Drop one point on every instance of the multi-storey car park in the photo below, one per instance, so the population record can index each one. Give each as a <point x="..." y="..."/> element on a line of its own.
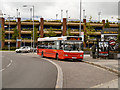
<point x="25" y="29"/>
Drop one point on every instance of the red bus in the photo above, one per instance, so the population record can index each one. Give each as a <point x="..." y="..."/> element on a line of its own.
<point x="65" y="47"/>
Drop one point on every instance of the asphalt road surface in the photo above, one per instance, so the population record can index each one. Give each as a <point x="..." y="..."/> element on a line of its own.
<point x="31" y="71"/>
<point x="27" y="72"/>
<point x="82" y="75"/>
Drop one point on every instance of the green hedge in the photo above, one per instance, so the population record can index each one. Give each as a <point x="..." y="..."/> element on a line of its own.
<point x="30" y="21"/>
<point x="11" y="48"/>
<point x="86" y="49"/>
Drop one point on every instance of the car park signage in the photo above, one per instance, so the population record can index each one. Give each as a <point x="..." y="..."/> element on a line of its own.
<point x="19" y="40"/>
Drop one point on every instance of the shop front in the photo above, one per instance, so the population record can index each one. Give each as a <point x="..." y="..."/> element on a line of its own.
<point x="108" y="42"/>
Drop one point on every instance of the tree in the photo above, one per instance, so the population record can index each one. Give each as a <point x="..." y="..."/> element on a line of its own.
<point x="15" y="35"/>
<point x="35" y="33"/>
<point x="107" y="24"/>
<point x="50" y="33"/>
<point x="3" y="35"/>
<point x="68" y="32"/>
<point x="90" y="19"/>
<point x="89" y="29"/>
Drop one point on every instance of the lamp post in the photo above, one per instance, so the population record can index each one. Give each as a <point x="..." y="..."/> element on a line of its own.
<point x="33" y="22"/>
<point x="80" y="19"/>
<point x="80" y="23"/>
<point x="56" y="16"/>
<point x="84" y="14"/>
<point x="67" y="20"/>
<point x="30" y="13"/>
<point x="99" y="13"/>
<point x="62" y="20"/>
<point x="17" y="12"/>
<point x="61" y="15"/>
<point x="9" y="32"/>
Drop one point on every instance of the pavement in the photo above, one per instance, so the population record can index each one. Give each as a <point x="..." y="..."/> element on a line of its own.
<point x="111" y="64"/>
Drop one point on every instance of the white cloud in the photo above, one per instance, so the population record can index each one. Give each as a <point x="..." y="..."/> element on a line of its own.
<point x="49" y="8"/>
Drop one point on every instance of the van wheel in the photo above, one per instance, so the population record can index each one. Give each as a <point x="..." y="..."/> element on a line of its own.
<point x="57" y="58"/>
<point x="42" y="55"/>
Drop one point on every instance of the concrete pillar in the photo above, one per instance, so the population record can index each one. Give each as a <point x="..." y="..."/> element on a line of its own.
<point x="84" y="26"/>
<point x="19" y="31"/>
<point x="103" y="21"/>
<point x="41" y="27"/>
<point x="3" y="30"/>
<point x="64" y="27"/>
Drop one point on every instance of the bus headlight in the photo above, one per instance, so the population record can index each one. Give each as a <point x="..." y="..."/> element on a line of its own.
<point x="65" y="55"/>
<point x="81" y="55"/>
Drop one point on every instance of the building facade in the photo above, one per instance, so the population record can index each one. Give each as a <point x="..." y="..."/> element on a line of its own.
<point x="44" y="27"/>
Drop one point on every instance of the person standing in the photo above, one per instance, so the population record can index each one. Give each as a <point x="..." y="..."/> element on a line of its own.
<point x="93" y="51"/>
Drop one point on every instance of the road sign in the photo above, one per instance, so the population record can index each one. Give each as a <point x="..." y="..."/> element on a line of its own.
<point x="18" y="39"/>
<point x="10" y="17"/>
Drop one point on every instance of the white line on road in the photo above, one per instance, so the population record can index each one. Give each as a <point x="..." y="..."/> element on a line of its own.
<point x="9" y="64"/>
<point x="110" y="84"/>
<point x="59" y="83"/>
<point x="6" y="66"/>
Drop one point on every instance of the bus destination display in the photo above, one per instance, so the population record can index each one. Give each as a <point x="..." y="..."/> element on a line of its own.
<point x="74" y="38"/>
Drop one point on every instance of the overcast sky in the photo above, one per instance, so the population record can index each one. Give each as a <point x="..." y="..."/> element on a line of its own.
<point x="49" y="8"/>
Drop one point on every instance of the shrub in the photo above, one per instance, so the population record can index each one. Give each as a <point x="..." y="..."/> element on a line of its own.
<point x="11" y="48"/>
<point x="86" y="49"/>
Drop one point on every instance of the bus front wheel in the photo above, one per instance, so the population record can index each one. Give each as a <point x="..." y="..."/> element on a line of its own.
<point x="42" y="55"/>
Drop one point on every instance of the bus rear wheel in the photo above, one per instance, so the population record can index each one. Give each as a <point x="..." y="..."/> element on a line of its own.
<point x="57" y="58"/>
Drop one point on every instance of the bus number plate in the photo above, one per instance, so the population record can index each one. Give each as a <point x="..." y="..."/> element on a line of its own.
<point x="73" y="57"/>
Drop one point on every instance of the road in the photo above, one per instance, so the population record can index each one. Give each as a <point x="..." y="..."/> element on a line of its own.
<point x="27" y="72"/>
<point x="83" y="75"/>
<point x="31" y="71"/>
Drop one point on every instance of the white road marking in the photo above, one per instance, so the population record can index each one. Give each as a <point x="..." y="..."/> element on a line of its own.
<point x="110" y="84"/>
<point x="6" y="66"/>
<point x="59" y="83"/>
<point x="9" y="63"/>
<point x="2" y="70"/>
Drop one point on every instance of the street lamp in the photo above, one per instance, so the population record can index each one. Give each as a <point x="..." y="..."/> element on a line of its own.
<point x="84" y="14"/>
<point x="9" y="29"/>
<point x="17" y="12"/>
<point x="9" y="32"/>
<point x="99" y="13"/>
<point x="80" y="18"/>
<point x="62" y="20"/>
<point x="67" y="20"/>
<point x="61" y="15"/>
<point x="30" y="13"/>
<point x="56" y="16"/>
<point x="33" y="22"/>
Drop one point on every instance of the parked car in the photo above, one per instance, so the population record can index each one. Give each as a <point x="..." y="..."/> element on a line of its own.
<point x="23" y="49"/>
<point x="31" y="49"/>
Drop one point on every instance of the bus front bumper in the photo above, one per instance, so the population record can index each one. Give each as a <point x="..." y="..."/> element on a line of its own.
<point x="73" y="56"/>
